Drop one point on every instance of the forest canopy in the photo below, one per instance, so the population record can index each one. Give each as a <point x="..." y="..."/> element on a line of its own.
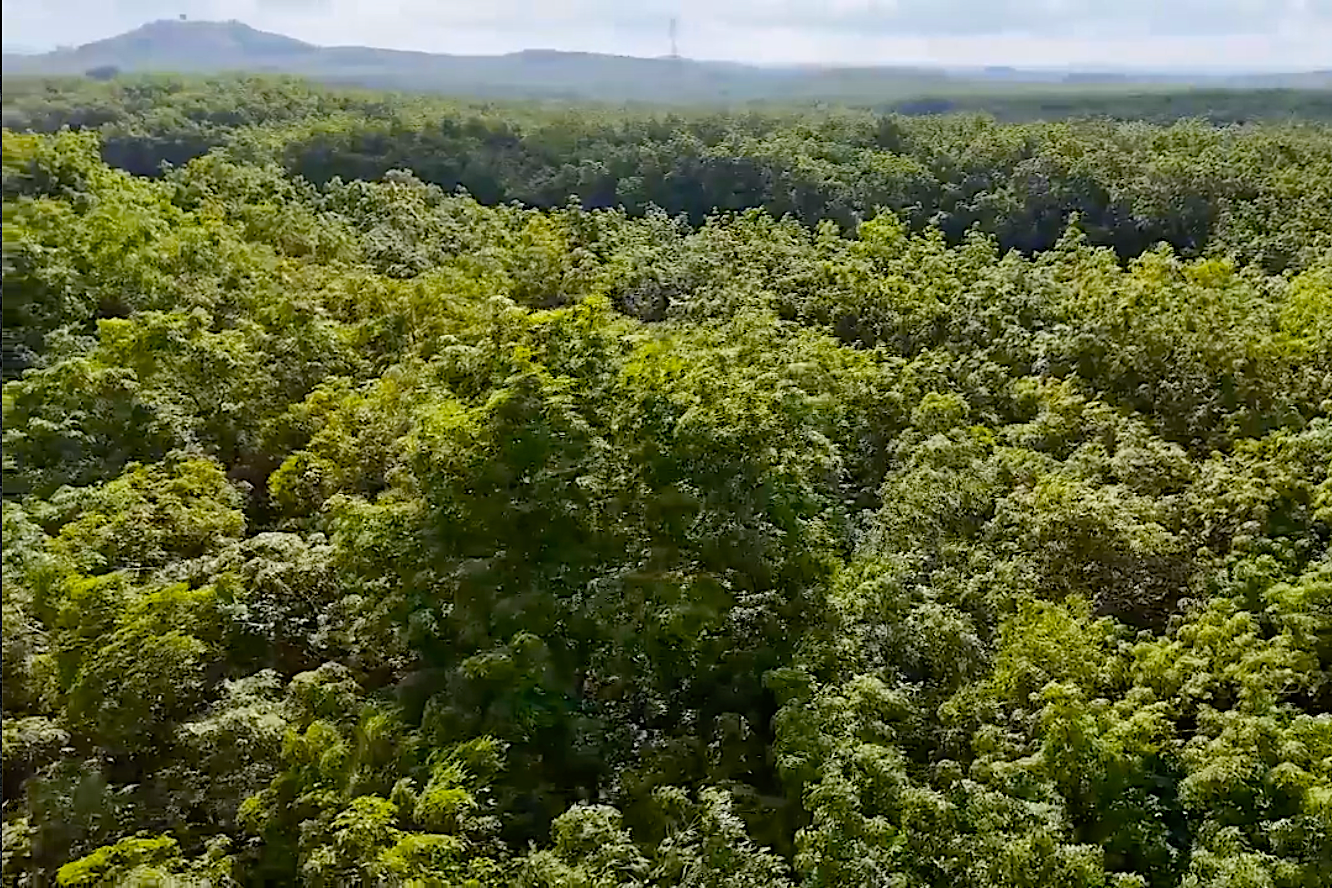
<point x="410" y="492"/>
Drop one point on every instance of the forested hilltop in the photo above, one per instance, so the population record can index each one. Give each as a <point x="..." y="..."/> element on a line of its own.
<point x="410" y="492"/>
<point x="214" y="47"/>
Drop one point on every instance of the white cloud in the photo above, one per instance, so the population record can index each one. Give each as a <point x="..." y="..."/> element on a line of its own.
<point x="1259" y="34"/>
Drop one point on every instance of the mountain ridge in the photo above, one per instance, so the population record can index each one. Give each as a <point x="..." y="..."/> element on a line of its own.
<point x="179" y="46"/>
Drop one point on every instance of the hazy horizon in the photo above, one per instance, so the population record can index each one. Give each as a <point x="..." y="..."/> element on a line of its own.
<point x="1199" y="35"/>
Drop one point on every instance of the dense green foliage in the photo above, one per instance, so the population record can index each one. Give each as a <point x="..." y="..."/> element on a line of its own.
<point x="359" y="532"/>
<point x="1254" y="193"/>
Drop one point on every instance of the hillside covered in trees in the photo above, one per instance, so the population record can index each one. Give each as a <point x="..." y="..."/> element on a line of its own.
<point x="410" y="492"/>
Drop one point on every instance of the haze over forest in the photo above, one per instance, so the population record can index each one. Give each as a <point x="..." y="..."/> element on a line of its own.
<point x="201" y="46"/>
<point x="1236" y="35"/>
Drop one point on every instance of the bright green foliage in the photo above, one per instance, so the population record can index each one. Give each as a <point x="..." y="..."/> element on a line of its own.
<point x="590" y="849"/>
<point x="705" y="844"/>
<point x="135" y="862"/>
<point x="357" y="532"/>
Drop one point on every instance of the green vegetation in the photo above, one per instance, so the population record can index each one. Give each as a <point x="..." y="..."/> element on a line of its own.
<point x="822" y="499"/>
<point x="1161" y="104"/>
<point x="1255" y="193"/>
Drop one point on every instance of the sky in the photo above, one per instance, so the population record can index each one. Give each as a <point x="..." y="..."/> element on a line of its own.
<point x="1159" y="34"/>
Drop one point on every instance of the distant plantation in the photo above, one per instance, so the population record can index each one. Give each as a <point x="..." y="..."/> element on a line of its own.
<point x="407" y="491"/>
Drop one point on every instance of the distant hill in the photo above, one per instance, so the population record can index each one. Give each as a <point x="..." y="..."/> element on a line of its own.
<point x="214" y="47"/>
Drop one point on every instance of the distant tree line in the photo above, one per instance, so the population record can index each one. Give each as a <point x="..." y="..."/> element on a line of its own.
<point x="1252" y="192"/>
<point x="1162" y="105"/>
